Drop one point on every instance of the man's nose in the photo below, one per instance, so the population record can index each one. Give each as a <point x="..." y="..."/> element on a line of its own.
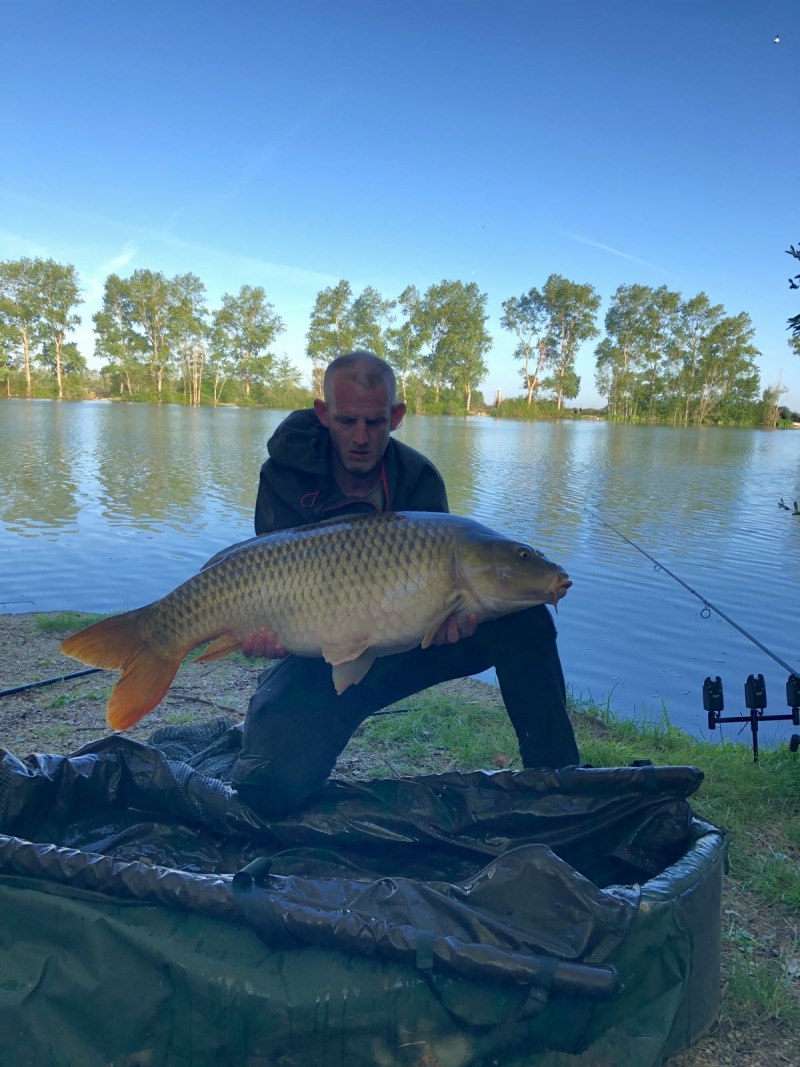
<point x="361" y="433"/>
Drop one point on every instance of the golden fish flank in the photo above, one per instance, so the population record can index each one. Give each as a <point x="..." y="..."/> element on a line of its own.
<point x="349" y="590"/>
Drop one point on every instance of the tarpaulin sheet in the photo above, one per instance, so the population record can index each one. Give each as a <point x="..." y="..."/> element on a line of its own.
<point x="509" y="916"/>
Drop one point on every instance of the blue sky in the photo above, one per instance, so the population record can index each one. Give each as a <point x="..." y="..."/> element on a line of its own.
<point x="293" y="144"/>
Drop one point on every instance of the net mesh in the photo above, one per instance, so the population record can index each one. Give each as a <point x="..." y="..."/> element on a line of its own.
<point x="210" y="748"/>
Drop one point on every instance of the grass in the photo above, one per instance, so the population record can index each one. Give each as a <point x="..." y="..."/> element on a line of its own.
<point x="437" y="733"/>
<point x="759" y="804"/>
<point x="759" y="988"/>
<point x="64" y="622"/>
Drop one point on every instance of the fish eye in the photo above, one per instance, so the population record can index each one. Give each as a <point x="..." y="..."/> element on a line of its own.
<point x="523" y="553"/>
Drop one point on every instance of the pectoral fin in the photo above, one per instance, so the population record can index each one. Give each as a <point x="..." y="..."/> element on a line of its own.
<point x="223" y="646"/>
<point x="351" y="673"/>
<point x="451" y="605"/>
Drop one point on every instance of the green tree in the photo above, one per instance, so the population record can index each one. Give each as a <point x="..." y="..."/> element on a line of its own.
<point x="285" y="375"/>
<point x="331" y="331"/>
<point x="72" y="362"/>
<point x="115" y="338"/>
<point x="371" y="318"/>
<point x="621" y="352"/>
<point x="187" y="331"/>
<point x="21" y="310"/>
<point x="697" y="318"/>
<point x="572" y="311"/>
<point x="452" y="327"/>
<point x="404" y="342"/>
<point x="727" y="375"/>
<point x="341" y="322"/>
<point x="8" y="359"/>
<point x="59" y="294"/>
<point x="134" y="323"/>
<point x="526" y="316"/>
<point x="661" y="347"/>
<point x="243" y="331"/>
<point x="770" y="404"/>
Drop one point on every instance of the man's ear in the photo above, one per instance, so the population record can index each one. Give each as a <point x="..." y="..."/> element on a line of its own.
<point x="395" y="416"/>
<point x="321" y="408"/>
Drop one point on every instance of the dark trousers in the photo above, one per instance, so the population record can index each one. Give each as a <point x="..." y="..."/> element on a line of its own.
<point x="296" y="725"/>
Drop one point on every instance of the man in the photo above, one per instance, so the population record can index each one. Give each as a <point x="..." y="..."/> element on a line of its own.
<point x="337" y="459"/>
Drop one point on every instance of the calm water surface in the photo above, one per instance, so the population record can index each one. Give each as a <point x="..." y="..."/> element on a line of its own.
<point x="107" y="506"/>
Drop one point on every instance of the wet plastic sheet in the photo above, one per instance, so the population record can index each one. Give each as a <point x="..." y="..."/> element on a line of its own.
<point x="468" y="918"/>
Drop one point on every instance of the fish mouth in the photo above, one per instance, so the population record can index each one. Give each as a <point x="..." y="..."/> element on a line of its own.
<point x="560" y="588"/>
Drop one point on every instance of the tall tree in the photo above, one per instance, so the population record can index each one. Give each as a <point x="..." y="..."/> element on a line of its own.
<point x="59" y="292"/>
<point x="697" y="317"/>
<point x="134" y="322"/>
<point x="187" y="331"/>
<point x="452" y="327"/>
<point x="404" y="342"/>
<point x="620" y="353"/>
<point x="115" y="338"/>
<point x="661" y="347"/>
<point x="371" y="318"/>
<point x="8" y="360"/>
<point x="21" y="310"/>
<point x="331" y="332"/>
<point x="72" y="362"/>
<point x="572" y="310"/>
<point x="727" y="375"/>
<point x="243" y="330"/>
<point x="526" y="317"/>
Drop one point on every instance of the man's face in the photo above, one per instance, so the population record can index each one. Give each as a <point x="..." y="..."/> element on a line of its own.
<point x="360" y="421"/>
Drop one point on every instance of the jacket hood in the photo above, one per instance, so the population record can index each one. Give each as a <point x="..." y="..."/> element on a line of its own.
<point x="301" y="443"/>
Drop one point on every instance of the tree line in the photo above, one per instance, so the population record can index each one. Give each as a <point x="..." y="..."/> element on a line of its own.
<point x="662" y="358"/>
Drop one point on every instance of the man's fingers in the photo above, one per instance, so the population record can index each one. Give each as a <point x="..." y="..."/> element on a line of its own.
<point x="262" y="644"/>
<point x="449" y="632"/>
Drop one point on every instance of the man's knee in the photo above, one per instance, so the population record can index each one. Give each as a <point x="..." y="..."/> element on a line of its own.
<point x="271" y="787"/>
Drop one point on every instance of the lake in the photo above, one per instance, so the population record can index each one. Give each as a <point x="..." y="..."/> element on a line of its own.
<point x="108" y="506"/>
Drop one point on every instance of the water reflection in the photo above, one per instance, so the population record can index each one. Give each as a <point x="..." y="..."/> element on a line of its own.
<point x="108" y="506"/>
<point x="40" y="471"/>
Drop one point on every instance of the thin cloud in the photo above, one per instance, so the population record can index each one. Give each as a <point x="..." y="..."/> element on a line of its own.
<point x="124" y="258"/>
<point x="95" y="282"/>
<point x="283" y="271"/>
<point x="617" y="252"/>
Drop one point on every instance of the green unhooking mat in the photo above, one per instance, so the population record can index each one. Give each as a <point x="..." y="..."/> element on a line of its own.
<point x="148" y="919"/>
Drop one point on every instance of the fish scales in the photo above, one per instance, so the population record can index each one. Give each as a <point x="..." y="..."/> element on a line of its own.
<point x="347" y="589"/>
<point x="318" y="581"/>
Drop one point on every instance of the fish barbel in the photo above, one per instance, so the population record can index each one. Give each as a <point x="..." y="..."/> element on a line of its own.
<point x="348" y="589"/>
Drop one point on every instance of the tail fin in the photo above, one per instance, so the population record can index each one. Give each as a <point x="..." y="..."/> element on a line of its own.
<point x="117" y="643"/>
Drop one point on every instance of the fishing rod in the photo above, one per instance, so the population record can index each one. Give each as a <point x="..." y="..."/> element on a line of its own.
<point x="48" y="681"/>
<point x="708" y="607"/>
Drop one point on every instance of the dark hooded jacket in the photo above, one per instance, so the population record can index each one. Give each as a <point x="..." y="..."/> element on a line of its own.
<point x="297" y="485"/>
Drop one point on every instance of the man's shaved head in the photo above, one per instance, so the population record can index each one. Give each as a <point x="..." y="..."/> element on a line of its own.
<point x="362" y="367"/>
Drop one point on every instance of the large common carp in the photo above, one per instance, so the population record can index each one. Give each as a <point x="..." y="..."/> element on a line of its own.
<point x="348" y="589"/>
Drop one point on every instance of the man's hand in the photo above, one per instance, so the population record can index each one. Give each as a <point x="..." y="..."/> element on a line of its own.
<point x="449" y="632"/>
<point x="263" y="643"/>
